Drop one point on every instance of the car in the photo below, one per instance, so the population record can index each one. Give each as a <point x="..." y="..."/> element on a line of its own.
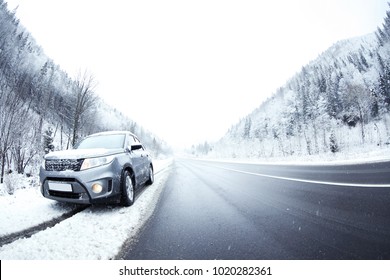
<point x="105" y="167"/>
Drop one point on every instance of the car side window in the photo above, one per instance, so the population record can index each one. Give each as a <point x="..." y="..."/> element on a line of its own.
<point x="130" y="141"/>
<point x="138" y="143"/>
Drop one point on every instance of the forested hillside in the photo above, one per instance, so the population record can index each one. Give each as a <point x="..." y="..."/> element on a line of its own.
<point x="339" y="102"/>
<point x="42" y="108"/>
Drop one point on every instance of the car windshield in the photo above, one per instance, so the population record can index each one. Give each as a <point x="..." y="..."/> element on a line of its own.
<point x="112" y="141"/>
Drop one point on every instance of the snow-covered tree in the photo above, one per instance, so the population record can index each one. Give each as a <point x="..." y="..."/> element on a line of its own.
<point x="48" y="140"/>
<point x="333" y="145"/>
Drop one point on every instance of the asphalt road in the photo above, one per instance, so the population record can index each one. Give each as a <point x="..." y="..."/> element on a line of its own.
<point x="213" y="210"/>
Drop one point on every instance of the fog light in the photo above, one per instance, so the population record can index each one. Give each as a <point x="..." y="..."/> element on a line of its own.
<point x="97" y="188"/>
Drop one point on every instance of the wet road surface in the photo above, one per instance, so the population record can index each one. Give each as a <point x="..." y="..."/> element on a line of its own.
<point x="214" y="210"/>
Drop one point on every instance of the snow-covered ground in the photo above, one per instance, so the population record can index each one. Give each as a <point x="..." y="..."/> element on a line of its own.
<point x="353" y="156"/>
<point x="95" y="233"/>
<point x="28" y="208"/>
<point x="100" y="231"/>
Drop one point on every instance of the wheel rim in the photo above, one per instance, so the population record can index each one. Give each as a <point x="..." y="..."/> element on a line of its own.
<point x="129" y="188"/>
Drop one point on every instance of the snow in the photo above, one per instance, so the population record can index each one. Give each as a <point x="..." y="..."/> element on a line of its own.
<point x="327" y="106"/>
<point x="95" y="233"/>
<point x="357" y="155"/>
<point x="81" y="153"/>
<point x="27" y="208"/>
<point x="99" y="232"/>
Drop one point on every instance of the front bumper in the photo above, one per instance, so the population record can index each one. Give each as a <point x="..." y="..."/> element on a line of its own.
<point x="81" y="182"/>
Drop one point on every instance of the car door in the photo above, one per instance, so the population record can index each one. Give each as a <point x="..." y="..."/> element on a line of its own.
<point x="144" y="161"/>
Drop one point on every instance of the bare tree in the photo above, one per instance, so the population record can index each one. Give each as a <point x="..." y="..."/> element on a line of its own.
<point x="26" y="144"/>
<point x="12" y="120"/>
<point x="359" y="101"/>
<point x="85" y="100"/>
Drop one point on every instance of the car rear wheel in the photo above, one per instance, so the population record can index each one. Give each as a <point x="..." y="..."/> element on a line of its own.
<point x="127" y="189"/>
<point x="151" y="176"/>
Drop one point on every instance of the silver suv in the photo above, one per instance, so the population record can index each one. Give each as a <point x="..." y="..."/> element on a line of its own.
<point x="104" y="168"/>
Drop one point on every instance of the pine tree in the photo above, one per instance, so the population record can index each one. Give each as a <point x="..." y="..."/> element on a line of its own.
<point x="363" y="60"/>
<point x="383" y="34"/>
<point x="247" y="128"/>
<point x="384" y="86"/>
<point x="48" y="140"/>
<point x="334" y="147"/>
<point x="386" y="26"/>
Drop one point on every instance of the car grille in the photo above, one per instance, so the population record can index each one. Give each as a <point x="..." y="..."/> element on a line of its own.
<point x="65" y="194"/>
<point x="63" y="164"/>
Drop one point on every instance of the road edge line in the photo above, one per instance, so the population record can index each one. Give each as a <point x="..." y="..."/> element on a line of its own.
<point x="311" y="181"/>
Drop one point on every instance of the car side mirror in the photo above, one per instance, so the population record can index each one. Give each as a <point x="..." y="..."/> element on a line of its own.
<point x="135" y="147"/>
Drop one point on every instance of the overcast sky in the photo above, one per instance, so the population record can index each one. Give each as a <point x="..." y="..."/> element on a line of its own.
<point x="189" y="70"/>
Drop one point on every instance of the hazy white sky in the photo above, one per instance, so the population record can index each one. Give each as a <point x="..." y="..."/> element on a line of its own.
<point x="189" y="70"/>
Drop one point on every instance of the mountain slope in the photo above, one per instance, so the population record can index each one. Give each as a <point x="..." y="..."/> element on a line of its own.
<point x="338" y="102"/>
<point x="42" y="108"/>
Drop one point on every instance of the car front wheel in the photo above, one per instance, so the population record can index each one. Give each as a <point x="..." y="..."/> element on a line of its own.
<point x="127" y="189"/>
<point x="151" y="176"/>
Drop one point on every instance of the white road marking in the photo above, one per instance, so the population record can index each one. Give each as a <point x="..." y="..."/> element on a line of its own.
<point x="310" y="181"/>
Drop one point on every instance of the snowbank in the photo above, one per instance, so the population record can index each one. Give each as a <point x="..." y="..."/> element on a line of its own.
<point x="358" y="155"/>
<point x="28" y="208"/>
<point x="95" y="233"/>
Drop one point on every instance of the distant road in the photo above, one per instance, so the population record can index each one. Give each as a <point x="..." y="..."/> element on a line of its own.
<point x="215" y="210"/>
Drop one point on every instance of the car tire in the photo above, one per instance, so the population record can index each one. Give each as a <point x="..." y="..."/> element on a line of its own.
<point x="128" y="190"/>
<point x="151" y="176"/>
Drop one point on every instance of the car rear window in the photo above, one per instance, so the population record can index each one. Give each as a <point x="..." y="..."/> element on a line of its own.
<point x="112" y="141"/>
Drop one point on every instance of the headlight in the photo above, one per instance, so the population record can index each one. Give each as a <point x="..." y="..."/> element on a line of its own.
<point x="95" y="162"/>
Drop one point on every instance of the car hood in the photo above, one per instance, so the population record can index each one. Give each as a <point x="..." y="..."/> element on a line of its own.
<point x="82" y="153"/>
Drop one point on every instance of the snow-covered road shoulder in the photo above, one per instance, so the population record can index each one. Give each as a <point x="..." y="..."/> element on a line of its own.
<point x="361" y="156"/>
<point x="95" y="233"/>
<point x="28" y="208"/>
